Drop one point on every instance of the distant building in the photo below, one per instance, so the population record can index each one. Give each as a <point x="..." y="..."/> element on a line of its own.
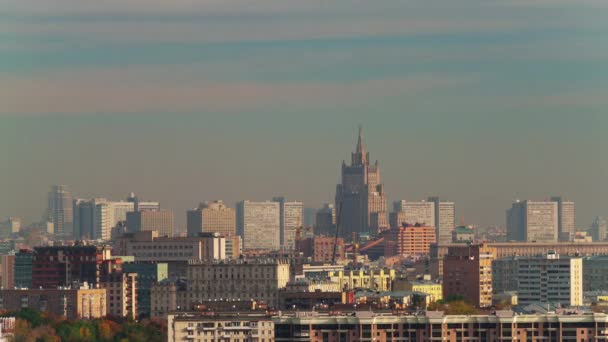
<point x="374" y="279"/>
<point x="147" y="274"/>
<point x="291" y="219"/>
<point x="504" y="271"/>
<point x="166" y="296"/>
<point x="566" y="218"/>
<point x="259" y="224"/>
<point x="595" y="273"/>
<point x="463" y="234"/>
<point x="23" y="268"/>
<point x="226" y="327"/>
<point x="550" y="279"/>
<point x="445" y="219"/>
<point x="211" y="217"/>
<point x="7" y="271"/>
<point x="409" y="240"/>
<point x="60" y="200"/>
<point x="533" y="221"/>
<point x="95" y="218"/>
<point x="121" y="295"/>
<point x="360" y="194"/>
<point x="325" y="222"/>
<point x="72" y="304"/>
<point x="467" y="271"/>
<point x="598" y="229"/>
<point x="149" y="220"/>
<point x="321" y="248"/>
<point x="421" y="212"/>
<point x="434" y="290"/>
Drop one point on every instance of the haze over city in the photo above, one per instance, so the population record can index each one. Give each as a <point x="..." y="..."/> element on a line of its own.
<point x="185" y="101"/>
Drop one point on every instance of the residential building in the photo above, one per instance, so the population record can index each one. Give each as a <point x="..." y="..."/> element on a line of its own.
<point x="409" y="212"/>
<point x="121" y="295"/>
<point x="445" y="219"/>
<point x="504" y="271"/>
<point x="434" y="290"/>
<point x="566" y="221"/>
<point x="259" y="224"/>
<point x="409" y="240"/>
<point x="598" y="229"/>
<point x="242" y="327"/>
<point x="291" y="219"/>
<point x="550" y="279"/>
<point x="167" y="296"/>
<point x="595" y="273"/>
<point x="467" y="271"/>
<point x="434" y="326"/>
<point x="148" y="220"/>
<point x="148" y="273"/>
<point x="360" y="194"/>
<point x="374" y="279"/>
<point x="211" y="217"/>
<point x="23" y="268"/>
<point x="259" y="279"/>
<point x="234" y="246"/>
<point x="7" y="271"/>
<point x="321" y="248"/>
<point x="60" y="200"/>
<point x="83" y="303"/>
<point x="325" y="222"/>
<point x="533" y="221"/>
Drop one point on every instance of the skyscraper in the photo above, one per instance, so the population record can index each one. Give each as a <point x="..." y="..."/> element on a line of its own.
<point x="598" y="229"/>
<point x="292" y="218"/>
<point x="95" y="218"/>
<point x="533" y="221"/>
<point x="566" y="218"/>
<point x="445" y="219"/>
<point x="360" y="194"/>
<point x="325" y="222"/>
<point x="259" y="224"/>
<point x="61" y="207"/>
<point x="211" y="217"/>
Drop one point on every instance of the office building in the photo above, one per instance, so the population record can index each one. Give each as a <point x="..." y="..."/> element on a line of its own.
<point x="151" y="220"/>
<point x="445" y="219"/>
<point x="121" y="295"/>
<point x="502" y="326"/>
<point x="211" y="217"/>
<point x="325" y="221"/>
<point x="550" y="279"/>
<point x="467" y="271"/>
<point x="504" y="271"/>
<point x="409" y="240"/>
<point x="243" y="327"/>
<point x="421" y="212"/>
<point x="7" y="271"/>
<point x="82" y="303"/>
<point x="533" y="221"/>
<point x="321" y="248"/>
<point x="598" y="229"/>
<point x="566" y="218"/>
<point x="595" y="273"/>
<point x="23" y="268"/>
<point x="360" y="194"/>
<point x="258" y="279"/>
<point x="292" y="219"/>
<point x="259" y="224"/>
<point x="60" y="199"/>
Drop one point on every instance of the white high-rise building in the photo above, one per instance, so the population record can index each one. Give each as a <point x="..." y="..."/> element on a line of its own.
<point x="422" y="212"/>
<point x="60" y="202"/>
<point x="566" y="217"/>
<point x="259" y="224"/>
<point x="445" y="219"/>
<point x="533" y="221"/>
<point x="95" y="218"/>
<point x="292" y="217"/>
<point x="550" y="279"/>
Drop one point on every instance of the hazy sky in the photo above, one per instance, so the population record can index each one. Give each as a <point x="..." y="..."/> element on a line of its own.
<point x="481" y="102"/>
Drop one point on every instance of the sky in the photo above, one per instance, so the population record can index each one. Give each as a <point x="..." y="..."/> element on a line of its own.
<point x="479" y="102"/>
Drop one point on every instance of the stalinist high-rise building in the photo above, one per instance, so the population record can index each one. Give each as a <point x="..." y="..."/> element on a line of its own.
<point x="360" y="198"/>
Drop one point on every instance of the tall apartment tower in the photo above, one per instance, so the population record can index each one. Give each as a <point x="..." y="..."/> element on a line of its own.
<point x="259" y="224"/>
<point x="292" y="218"/>
<point x="467" y="271"/>
<point x="566" y="218"/>
<point x="445" y="219"/>
<point x="325" y="222"/>
<point x="61" y="207"/>
<point x="360" y="196"/>
<point x="211" y="217"/>
<point x="533" y="221"/>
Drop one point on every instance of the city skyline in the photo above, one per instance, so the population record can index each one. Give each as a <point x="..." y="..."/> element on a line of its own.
<point x="185" y="101"/>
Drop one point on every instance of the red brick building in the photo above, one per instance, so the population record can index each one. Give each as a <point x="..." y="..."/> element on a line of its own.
<point x="409" y="240"/>
<point x="321" y="248"/>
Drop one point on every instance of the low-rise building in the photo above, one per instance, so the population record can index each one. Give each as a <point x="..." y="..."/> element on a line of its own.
<point x="434" y="290"/>
<point x="253" y="327"/>
<point x="69" y="303"/>
<point x="378" y="280"/>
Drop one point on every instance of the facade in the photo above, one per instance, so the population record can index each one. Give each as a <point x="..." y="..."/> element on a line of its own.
<point x="595" y="273"/>
<point x="258" y="279"/>
<point x="566" y="218"/>
<point x="467" y="271"/>
<point x="325" y="222"/>
<point x="409" y="240"/>
<point x="23" y="268"/>
<point x="147" y="246"/>
<point x="7" y="271"/>
<point x="234" y="246"/>
<point x="598" y="229"/>
<point x="147" y="274"/>
<point x="504" y="272"/>
<point x="377" y="280"/>
<point x="445" y="219"/>
<point x="63" y="265"/>
<point x="463" y="234"/>
<point x="148" y="220"/>
<point x="434" y="290"/>
<point x="550" y="279"/>
<point x="121" y="295"/>
<point x="245" y="327"/>
<point x="421" y="212"/>
<point x="60" y="201"/>
<point x="321" y="248"/>
<point x="504" y="326"/>
<point x="166" y="296"/>
<point x="211" y="217"/>
<point x="533" y="221"/>
<point x="259" y="224"/>
<point x="70" y="303"/>
<point x="360" y="194"/>
<point x="292" y="219"/>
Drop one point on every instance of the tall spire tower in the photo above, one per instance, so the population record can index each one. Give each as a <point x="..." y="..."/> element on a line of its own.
<point x="360" y="197"/>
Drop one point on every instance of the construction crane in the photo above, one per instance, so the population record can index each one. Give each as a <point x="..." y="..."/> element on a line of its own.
<point x="339" y="214"/>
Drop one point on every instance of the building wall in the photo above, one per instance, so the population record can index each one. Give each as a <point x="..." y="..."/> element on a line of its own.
<point x="378" y="280"/>
<point x="121" y="295"/>
<point x="72" y="304"/>
<point x="7" y="271"/>
<point x="160" y="221"/>
<point x="148" y="247"/>
<point x="62" y="210"/>
<point x="213" y="217"/>
<point x="467" y="271"/>
<point x="242" y="328"/>
<point x="411" y="240"/>
<point x="259" y="224"/>
<point x="51" y="266"/>
<point x="550" y="279"/>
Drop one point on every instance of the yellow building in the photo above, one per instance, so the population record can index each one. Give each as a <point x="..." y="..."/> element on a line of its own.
<point x="432" y="289"/>
<point x="378" y="280"/>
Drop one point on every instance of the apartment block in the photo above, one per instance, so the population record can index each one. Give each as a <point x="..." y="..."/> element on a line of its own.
<point x="81" y="303"/>
<point x="467" y="271"/>
<point x="246" y="327"/>
<point x="409" y="240"/>
<point x="259" y="224"/>
<point x="211" y="217"/>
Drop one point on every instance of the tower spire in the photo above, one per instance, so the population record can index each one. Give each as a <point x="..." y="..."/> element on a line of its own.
<point x="360" y="147"/>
